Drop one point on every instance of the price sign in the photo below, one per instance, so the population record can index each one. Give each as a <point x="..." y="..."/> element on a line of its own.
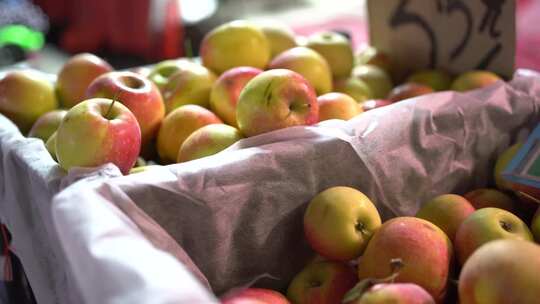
<point x="456" y="35"/>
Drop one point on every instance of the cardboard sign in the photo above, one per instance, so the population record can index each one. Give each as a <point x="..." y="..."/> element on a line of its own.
<point x="456" y="35"/>
<point x="524" y="169"/>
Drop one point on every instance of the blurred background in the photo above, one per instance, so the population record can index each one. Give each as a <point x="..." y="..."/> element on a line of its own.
<point x="139" y="32"/>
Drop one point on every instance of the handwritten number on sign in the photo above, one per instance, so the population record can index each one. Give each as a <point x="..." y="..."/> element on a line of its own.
<point x="403" y="17"/>
<point x="491" y="16"/>
<point x="459" y="6"/>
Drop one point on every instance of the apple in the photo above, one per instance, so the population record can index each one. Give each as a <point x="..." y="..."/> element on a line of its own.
<point x="353" y="87"/>
<point x="308" y="63"/>
<point x="190" y="85"/>
<point x="207" y="141"/>
<point x="447" y="211"/>
<point x="47" y="124"/>
<point x="98" y="131"/>
<point x="280" y="37"/>
<point x="370" y="55"/>
<point x="402" y="293"/>
<point x="339" y="223"/>
<point x="438" y="80"/>
<point x="265" y="296"/>
<point x="337" y="106"/>
<point x="377" y="79"/>
<point x="474" y="80"/>
<point x="137" y="93"/>
<point x="500" y="272"/>
<point x="276" y="99"/>
<point x="336" y="49"/>
<point x="408" y="90"/>
<point x="161" y="72"/>
<point x="233" y="44"/>
<point x="486" y="197"/>
<point x="226" y="90"/>
<point x="424" y="249"/>
<point x="486" y="225"/>
<point x="50" y="145"/>
<point x="178" y="125"/>
<point x="76" y="75"/>
<point x="374" y="103"/>
<point x="25" y="95"/>
<point x="321" y="283"/>
<point x="502" y="162"/>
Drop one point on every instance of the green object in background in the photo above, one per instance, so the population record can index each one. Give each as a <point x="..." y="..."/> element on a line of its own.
<point x="23" y="36"/>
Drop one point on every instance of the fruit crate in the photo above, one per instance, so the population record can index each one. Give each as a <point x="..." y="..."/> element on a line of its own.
<point x="187" y="233"/>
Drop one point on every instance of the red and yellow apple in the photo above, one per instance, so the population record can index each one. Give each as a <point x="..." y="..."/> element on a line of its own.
<point x="137" y="93"/>
<point x="76" y="75"/>
<point x="399" y="293"/>
<point x="447" y="211"/>
<point x="486" y="197"/>
<point x="339" y="222"/>
<point x="408" y="90"/>
<point x="308" y="63"/>
<point x="177" y="126"/>
<point x="424" y="249"/>
<point x="47" y="124"/>
<point x="321" y="283"/>
<point x="25" y="95"/>
<point x="98" y="131"/>
<point x="377" y="79"/>
<point x="276" y="99"/>
<point x="161" y="72"/>
<point x="207" y="141"/>
<point x="336" y="49"/>
<point x="233" y="44"/>
<point x="262" y="295"/>
<point x="226" y="90"/>
<point x="500" y="272"/>
<point x="437" y="79"/>
<point x="370" y="55"/>
<point x="374" y="103"/>
<point x="486" y="225"/>
<point x="474" y="80"/>
<point x="337" y="106"/>
<point x="190" y="85"/>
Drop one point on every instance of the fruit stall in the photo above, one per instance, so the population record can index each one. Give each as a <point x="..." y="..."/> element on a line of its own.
<point x="306" y="166"/>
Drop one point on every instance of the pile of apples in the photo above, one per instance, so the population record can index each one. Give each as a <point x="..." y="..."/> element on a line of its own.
<point x="475" y="248"/>
<point x="251" y="78"/>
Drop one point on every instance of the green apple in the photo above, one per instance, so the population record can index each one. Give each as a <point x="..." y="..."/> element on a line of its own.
<point x="500" y="272"/>
<point x="423" y="248"/>
<point x="233" y="44"/>
<point x="47" y="124"/>
<point x="408" y="90"/>
<point x="191" y="85"/>
<point x="280" y="37"/>
<point x="177" y="126"/>
<point x="50" y="145"/>
<point x="322" y="283"/>
<point x="98" y="131"/>
<point x="447" y="211"/>
<point x="502" y="162"/>
<point x="276" y="99"/>
<point x="337" y="106"/>
<point x="377" y="79"/>
<point x="353" y="87"/>
<point x="207" y="141"/>
<point x="474" y="80"/>
<point x="336" y="49"/>
<point x="25" y="95"/>
<point x="486" y="225"/>
<point x="76" y="75"/>
<point x="161" y="72"/>
<point x="245" y="296"/>
<point x="486" y="197"/>
<point x="137" y="93"/>
<point x="307" y="63"/>
<point x="226" y="90"/>
<point x="399" y="293"/>
<point x="339" y="223"/>
<point x="438" y="80"/>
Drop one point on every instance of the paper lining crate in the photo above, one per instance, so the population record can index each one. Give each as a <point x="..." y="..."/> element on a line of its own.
<point x="187" y="232"/>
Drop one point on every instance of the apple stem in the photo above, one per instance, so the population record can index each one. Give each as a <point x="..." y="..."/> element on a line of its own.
<point x="111" y="105"/>
<point x="357" y="291"/>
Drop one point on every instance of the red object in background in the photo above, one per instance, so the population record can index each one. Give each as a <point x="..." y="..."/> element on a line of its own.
<point x="148" y="28"/>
